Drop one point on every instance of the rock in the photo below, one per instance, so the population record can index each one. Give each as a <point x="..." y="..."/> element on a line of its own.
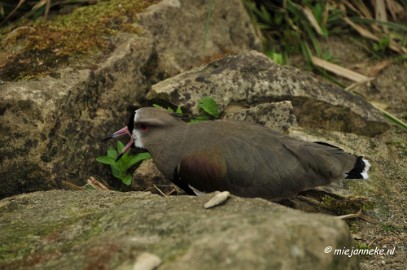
<point x="13" y="43"/>
<point x="148" y="178"/>
<point x="52" y="126"/>
<point x="276" y="115"/>
<point x="147" y="261"/>
<point x="219" y="199"/>
<point x="104" y="229"/>
<point x="180" y="36"/>
<point x="250" y="79"/>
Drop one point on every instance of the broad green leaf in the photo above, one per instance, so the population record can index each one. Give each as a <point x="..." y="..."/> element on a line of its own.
<point x="117" y="173"/>
<point x="111" y="152"/>
<point x="120" y="146"/>
<point x="105" y="160"/>
<point x="120" y="165"/>
<point x="115" y="166"/>
<point x="124" y="158"/>
<point x="137" y="158"/>
<point x="209" y="106"/>
<point x="127" y="180"/>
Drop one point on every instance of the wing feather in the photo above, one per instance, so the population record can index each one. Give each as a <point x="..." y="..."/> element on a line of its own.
<point x="260" y="163"/>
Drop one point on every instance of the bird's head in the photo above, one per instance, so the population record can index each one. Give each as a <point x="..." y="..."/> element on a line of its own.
<point x="147" y="126"/>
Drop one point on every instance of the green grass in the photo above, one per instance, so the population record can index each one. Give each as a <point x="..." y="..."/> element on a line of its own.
<point x="207" y="105"/>
<point x="15" y="10"/>
<point x="296" y="27"/>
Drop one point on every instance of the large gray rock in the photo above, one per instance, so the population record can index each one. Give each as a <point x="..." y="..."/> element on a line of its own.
<point x="178" y="27"/>
<point x="51" y="127"/>
<point x="276" y="115"/>
<point x="106" y="230"/>
<point x="251" y="78"/>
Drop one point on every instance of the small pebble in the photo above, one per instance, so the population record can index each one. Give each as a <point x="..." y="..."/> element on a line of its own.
<point x="218" y="199"/>
<point x="146" y="261"/>
<point x="357" y="236"/>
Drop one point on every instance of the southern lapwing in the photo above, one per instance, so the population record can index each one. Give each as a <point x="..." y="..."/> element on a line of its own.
<point x="247" y="159"/>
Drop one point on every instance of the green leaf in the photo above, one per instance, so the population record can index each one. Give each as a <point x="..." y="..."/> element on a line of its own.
<point x="121" y="164"/>
<point x="120" y="146"/>
<point x="179" y="110"/>
<point x="199" y="118"/>
<point x="117" y="173"/>
<point x="127" y="180"/>
<point x="132" y="160"/>
<point x="209" y="106"/>
<point x="157" y="106"/>
<point x="112" y="153"/>
<point x="105" y="160"/>
<point x="276" y="57"/>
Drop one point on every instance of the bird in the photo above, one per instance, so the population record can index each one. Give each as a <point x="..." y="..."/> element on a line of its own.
<point x="244" y="158"/>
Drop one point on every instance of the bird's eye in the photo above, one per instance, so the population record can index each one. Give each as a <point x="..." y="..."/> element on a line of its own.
<point x="142" y="126"/>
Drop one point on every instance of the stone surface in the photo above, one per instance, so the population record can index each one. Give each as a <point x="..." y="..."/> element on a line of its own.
<point x="251" y="78"/>
<point x="276" y="115"/>
<point x="51" y="127"/>
<point x="93" y="230"/>
<point x="178" y="27"/>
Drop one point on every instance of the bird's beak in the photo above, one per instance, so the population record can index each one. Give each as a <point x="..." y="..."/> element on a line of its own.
<point x="119" y="133"/>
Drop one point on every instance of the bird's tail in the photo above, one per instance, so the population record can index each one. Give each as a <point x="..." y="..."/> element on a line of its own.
<point x="360" y="169"/>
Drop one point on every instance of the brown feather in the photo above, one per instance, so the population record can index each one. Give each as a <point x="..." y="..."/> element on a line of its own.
<point x="244" y="158"/>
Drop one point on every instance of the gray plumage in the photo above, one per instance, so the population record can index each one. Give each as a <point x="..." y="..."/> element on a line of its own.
<point x="246" y="159"/>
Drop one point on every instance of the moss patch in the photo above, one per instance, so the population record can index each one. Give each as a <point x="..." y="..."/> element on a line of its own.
<point x="80" y="38"/>
<point x="348" y="205"/>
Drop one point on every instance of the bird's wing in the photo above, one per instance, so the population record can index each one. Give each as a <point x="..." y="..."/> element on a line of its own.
<point x="238" y="165"/>
<point x="204" y="170"/>
<point x="262" y="166"/>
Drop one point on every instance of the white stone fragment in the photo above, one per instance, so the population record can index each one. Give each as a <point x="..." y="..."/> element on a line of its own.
<point x="218" y="199"/>
<point x="146" y="261"/>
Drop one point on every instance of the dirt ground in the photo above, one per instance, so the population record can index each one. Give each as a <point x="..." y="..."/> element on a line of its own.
<point x="385" y="225"/>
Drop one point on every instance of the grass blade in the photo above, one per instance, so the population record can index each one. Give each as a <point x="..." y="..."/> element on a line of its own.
<point x="392" y="119"/>
<point x="208" y="20"/>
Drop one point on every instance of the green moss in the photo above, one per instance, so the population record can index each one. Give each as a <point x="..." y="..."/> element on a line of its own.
<point x="361" y="245"/>
<point x="347" y="205"/>
<point x="389" y="228"/>
<point x="80" y="37"/>
<point x="23" y="241"/>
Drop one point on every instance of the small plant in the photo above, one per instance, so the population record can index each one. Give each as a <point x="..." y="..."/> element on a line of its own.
<point x="120" y="167"/>
<point x="210" y="109"/>
<point x="389" y="228"/>
<point x="178" y="110"/>
<point x="361" y="245"/>
<point x="278" y="58"/>
<point x="208" y="106"/>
